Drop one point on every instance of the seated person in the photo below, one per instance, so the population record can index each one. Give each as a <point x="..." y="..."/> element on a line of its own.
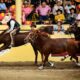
<point x="2" y="6"/>
<point x="27" y="11"/>
<point x="68" y="6"/>
<point x="78" y="20"/>
<point x="72" y="16"/>
<point x="43" y="11"/>
<point x="78" y="8"/>
<point x="57" y="6"/>
<point x="58" y="27"/>
<point x="59" y="16"/>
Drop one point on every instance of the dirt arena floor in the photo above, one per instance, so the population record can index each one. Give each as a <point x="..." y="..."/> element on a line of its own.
<point x="27" y="71"/>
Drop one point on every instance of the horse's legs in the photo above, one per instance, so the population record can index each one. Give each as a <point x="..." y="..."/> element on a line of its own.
<point x="71" y="58"/>
<point x="36" y="54"/>
<point x="42" y="57"/>
<point x="45" y="59"/>
<point x="76" y="58"/>
<point x="62" y="59"/>
<point x="5" y="46"/>
<point x="36" y="57"/>
<point x="48" y="63"/>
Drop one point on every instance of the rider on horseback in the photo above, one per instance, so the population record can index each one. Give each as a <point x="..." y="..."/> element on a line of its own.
<point x="14" y="27"/>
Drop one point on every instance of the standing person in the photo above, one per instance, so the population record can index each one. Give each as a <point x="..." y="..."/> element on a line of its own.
<point x="14" y="27"/>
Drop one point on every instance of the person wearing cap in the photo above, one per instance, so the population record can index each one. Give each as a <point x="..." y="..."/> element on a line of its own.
<point x="57" y="6"/>
<point x="77" y="22"/>
<point x="14" y="26"/>
<point x="59" y="16"/>
<point x="72" y="16"/>
<point x="68" y="6"/>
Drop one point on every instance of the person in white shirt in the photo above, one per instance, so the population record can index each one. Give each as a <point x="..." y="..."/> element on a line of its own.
<point x="56" y="7"/>
<point x="68" y="7"/>
<point x="14" y="26"/>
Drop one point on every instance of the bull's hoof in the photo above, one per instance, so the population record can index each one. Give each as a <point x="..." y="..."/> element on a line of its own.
<point x="78" y="64"/>
<point x="51" y="64"/>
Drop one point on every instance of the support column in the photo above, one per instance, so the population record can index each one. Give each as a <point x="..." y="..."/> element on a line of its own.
<point x="19" y="11"/>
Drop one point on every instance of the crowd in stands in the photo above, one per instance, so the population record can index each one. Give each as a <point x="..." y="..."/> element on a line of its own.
<point x="64" y="11"/>
<point x="40" y="11"/>
<point x="7" y="6"/>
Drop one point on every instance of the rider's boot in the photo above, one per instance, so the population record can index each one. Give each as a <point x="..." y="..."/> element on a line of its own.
<point x="12" y="41"/>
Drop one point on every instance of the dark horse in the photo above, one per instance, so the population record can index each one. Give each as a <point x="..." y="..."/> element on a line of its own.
<point x="46" y="45"/>
<point x="74" y="30"/>
<point x="48" y="29"/>
<point x="18" y="41"/>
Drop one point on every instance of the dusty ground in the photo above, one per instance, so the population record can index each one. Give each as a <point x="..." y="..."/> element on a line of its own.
<point x="27" y="71"/>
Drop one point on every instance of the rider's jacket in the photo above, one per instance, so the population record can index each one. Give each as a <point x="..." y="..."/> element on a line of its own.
<point x="16" y="25"/>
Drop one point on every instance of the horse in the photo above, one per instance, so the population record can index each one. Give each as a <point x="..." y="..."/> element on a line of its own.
<point x="47" y="45"/>
<point x="74" y="30"/>
<point x="48" y="29"/>
<point x="18" y="41"/>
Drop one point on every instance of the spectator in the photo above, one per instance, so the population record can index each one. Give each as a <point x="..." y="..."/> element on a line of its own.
<point x="6" y="18"/>
<point x="59" y="16"/>
<point x="59" y="26"/>
<point x="78" y="19"/>
<point x="27" y="11"/>
<point x="50" y="2"/>
<point x="68" y="6"/>
<point x="43" y="10"/>
<point x="2" y="6"/>
<point x="56" y="7"/>
<point x="77" y="2"/>
<point x="78" y="8"/>
<point x="35" y="2"/>
<point x="72" y="16"/>
<point x="9" y="3"/>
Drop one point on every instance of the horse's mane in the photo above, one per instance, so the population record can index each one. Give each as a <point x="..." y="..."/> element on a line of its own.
<point x="44" y="35"/>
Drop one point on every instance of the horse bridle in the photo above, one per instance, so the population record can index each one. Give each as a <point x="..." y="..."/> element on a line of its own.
<point x="31" y="38"/>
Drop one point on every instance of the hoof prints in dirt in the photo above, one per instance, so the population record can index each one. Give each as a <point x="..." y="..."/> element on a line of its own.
<point x="30" y="65"/>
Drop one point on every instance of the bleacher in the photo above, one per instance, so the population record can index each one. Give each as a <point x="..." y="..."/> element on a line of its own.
<point x="55" y="35"/>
